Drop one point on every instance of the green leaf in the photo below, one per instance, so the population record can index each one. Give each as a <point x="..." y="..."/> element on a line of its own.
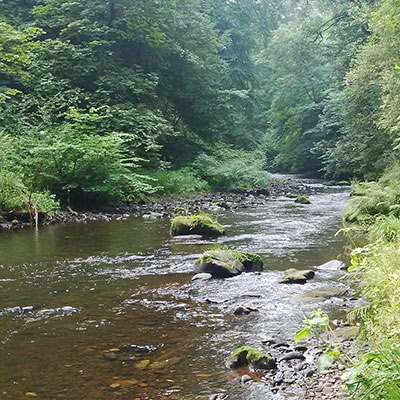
<point x="302" y="334"/>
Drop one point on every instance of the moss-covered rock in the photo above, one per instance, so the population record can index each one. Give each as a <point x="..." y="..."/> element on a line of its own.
<point x="224" y="262"/>
<point x="251" y="261"/>
<point x="198" y="224"/>
<point x="302" y="200"/>
<point x="247" y="355"/>
<point x="297" y="276"/>
<point x="219" y="263"/>
<point x="343" y="183"/>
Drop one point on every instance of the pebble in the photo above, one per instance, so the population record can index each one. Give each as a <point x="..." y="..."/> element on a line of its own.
<point x="246" y="378"/>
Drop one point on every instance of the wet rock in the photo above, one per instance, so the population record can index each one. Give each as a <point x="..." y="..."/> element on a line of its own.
<point x="153" y="215"/>
<point x="302" y="200"/>
<point x="142" y="364"/>
<point x="201" y="277"/>
<point x="244" y="310"/>
<point x="294" y="355"/>
<point x="134" y="348"/>
<point x="219" y="263"/>
<point x="246" y="378"/>
<point x="187" y="237"/>
<point x="199" y="224"/>
<point x="297" y="276"/>
<point x="247" y="355"/>
<point x="317" y="295"/>
<point x="268" y="340"/>
<point x="110" y="356"/>
<point x="218" y="396"/>
<point x="333" y="265"/>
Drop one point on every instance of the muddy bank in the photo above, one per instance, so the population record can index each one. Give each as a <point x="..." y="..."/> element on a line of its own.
<point x="210" y="202"/>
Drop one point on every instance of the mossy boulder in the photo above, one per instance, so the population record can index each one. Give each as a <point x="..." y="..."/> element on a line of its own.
<point x="297" y="276"/>
<point x="343" y="183"/>
<point x="219" y="263"/>
<point x="250" y="261"/>
<point x="198" y="224"/>
<point x="247" y="355"/>
<point x="302" y="200"/>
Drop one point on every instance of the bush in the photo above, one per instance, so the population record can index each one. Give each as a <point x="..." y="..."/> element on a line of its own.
<point x="183" y="182"/>
<point x="372" y="199"/>
<point x="226" y="168"/>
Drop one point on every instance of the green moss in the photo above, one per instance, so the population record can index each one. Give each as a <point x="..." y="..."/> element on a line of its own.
<point x="249" y="260"/>
<point x="249" y="355"/>
<point x="201" y="224"/>
<point x="302" y="200"/>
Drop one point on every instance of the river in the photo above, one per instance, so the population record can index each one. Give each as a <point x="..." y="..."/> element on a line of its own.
<point x="105" y="310"/>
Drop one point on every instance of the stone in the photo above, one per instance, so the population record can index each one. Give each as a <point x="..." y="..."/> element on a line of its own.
<point x="302" y="200"/>
<point x="198" y="224"/>
<point x="201" y="277"/>
<point x="244" y="310"/>
<point x="317" y="295"/>
<point x="219" y="263"/>
<point x="333" y="265"/>
<point x="247" y="355"/>
<point x="294" y="355"/>
<point x="142" y="364"/>
<point x="297" y="276"/>
<point x="246" y="378"/>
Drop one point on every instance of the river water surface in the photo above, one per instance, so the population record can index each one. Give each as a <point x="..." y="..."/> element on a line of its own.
<point x="106" y="310"/>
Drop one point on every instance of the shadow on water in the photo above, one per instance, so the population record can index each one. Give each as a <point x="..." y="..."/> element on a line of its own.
<point x="106" y="309"/>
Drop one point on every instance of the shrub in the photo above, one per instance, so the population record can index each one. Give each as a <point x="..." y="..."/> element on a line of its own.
<point x="225" y="168"/>
<point x="182" y="182"/>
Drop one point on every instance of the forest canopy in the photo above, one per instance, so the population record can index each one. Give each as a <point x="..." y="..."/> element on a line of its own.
<point x="106" y="101"/>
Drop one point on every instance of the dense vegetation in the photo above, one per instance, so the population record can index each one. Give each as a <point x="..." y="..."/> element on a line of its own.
<point x="107" y="101"/>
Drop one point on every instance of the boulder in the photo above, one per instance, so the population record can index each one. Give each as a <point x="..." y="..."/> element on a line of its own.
<point x="198" y="224"/>
<point x="302" y="200"/>
<point x="247" y="355"/>
<point x="297" y="276"/>
<point x="219" y="263"/>
<point x="318" y="295"/>
<point x="334" y="265"/>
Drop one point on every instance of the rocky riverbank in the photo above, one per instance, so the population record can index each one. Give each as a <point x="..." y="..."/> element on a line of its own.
<point x="168" y="207"/>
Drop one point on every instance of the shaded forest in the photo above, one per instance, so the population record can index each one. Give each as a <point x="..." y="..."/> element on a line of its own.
<point x="107" y="101"/>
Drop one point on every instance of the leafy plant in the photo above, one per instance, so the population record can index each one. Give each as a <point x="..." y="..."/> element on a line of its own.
<point x="317" y="324"/>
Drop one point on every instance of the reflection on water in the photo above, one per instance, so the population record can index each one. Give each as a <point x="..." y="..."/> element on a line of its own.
<point x="106" y="310"/>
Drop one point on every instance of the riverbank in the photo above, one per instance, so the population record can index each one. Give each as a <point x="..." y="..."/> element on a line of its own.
<point x="156" y="208"/>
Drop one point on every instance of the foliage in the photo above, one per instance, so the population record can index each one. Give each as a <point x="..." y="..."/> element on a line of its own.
<point x="318" y="324"/>
<point x="373" y="199"/>
<point x="227" y="168"/>
<point x="376" y="375"/>
<point x="179" y="183"/>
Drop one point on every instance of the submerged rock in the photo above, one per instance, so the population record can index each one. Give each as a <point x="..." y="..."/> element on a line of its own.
<point x="317" y="295"/>
<point x="201" y="277"/>
<point x="247" y="355"/>
<point x="219" y="263"/>
<point x="200" y="224"/>
<point x="297" y="276"/>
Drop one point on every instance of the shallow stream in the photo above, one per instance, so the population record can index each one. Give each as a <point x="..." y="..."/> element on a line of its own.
<point x="105" y="310"/>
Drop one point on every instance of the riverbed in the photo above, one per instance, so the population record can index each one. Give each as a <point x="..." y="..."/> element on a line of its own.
<point x="106" y="309"/>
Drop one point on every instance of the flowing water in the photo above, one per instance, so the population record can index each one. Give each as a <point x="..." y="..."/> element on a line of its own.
<point x="87" y="306"/>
